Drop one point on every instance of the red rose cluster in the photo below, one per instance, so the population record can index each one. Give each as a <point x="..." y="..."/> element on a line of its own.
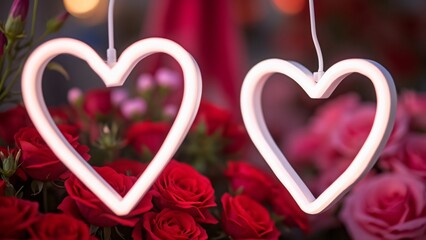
<point x="204" y="193"/>
<point x="122" y="138"/>
<point x="24" y="221"/>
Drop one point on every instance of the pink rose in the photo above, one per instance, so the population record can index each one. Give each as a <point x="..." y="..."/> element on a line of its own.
<point x="313" y="141"/>
<point x="327" y="176"/>
<point x="388" y="206"/>
<point x="352" y="131"/>
<point x="411" y="159"/>
<point x="415" y="105"/>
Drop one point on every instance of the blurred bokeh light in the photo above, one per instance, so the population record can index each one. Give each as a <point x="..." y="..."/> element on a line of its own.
<point x="91" y="11"/>
<point x="290" y="7"/>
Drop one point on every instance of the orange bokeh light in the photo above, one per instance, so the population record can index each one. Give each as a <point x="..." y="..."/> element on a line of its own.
<point x="290" y="7"/>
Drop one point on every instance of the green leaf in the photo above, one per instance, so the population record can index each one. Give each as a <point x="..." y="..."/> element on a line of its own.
<point x="93" y="229"/>
<point x="36" y="187"/>
<point x="58" y="68"/>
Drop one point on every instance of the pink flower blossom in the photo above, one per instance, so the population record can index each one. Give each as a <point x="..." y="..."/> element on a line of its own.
<point x="168" y="78"/>
<point x="119" y="95"/>
<point x="388" y="206"/>
<point x="415" y="106"/>
<point x="411" y="159"/>
<point x="133" y="107"/>
<point x="74" y="95"/>
<point x="145" y="82"/>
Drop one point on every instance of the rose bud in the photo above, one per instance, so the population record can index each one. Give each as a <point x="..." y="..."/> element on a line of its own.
<point x="133" y="108"/>
<point x="75" y="96"/>
<point x="55" y="24"/>
<point x="118" y="96"/>
<point x="144" y="83"/>
<point x="3" y="43"/>
<point x="168" y="78"/>
<point x="9" y="164"/>
<point x="16" y="21"/>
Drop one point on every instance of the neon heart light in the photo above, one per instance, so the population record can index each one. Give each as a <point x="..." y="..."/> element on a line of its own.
<point x="112" y="75"/>
<point x="255" y="123"/>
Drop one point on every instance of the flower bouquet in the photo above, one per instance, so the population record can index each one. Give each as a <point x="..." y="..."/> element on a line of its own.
<point x="214" y="188"/>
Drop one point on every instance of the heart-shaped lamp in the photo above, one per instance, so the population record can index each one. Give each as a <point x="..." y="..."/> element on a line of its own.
<point x="367" y="156"/>
<point x="112" y="75"/>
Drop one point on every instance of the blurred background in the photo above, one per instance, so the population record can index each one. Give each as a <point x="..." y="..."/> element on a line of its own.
<point x="228" y="37"/>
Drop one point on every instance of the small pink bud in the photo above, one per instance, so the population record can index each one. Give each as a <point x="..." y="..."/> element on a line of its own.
<point x="170" y="110"/>
<point x="75" y="95"/>
<point x="168" y="78"/>
<point x="133" y="107"/>
<point x="119" y="95"/>
<point x="145" y="82"/>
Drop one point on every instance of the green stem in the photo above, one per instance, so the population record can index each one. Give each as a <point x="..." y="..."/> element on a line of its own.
<point x="18" y="72"/>
<point x="12" y="83"/>
<point x="45" y="195"/>
<point x="107" y="233"/>
<point x="5" y="75"/>
<point x="33" y="21"/>
<point x="1" y="66"/>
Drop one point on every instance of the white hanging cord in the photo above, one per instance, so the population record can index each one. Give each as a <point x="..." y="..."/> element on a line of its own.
<point x="111" y="52"/>
<point x="316" y="42"/>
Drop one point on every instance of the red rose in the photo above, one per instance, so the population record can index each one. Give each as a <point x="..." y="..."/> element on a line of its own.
<point x="128" y="167"/>
<point x="387" y="206"/>
<point x="11" y="121"/>
<point x="2" y="187"/>
<point x="97" y="103"/>
<point x="181" y="187"/>
<point x="17" y="216"/>
<point x="169" y="224"/>
<point x="215" y="118"/>
<point x="284" y="205"/>
<point x="254" y="182"/>
<point x="262" y="187"/>
<point x="38" y="161"/>
<point x="244" y="218"/>
<point x="220" y="120"/>
<point x="92" y="210"/>
<point x="59" y="226"/>
<point x="149" y="135"/>
<point x="62" y="115"/>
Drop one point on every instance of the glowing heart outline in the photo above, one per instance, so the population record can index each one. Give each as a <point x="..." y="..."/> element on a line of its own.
<point x="254" y="121"/>
<point x="112" y="76"/>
